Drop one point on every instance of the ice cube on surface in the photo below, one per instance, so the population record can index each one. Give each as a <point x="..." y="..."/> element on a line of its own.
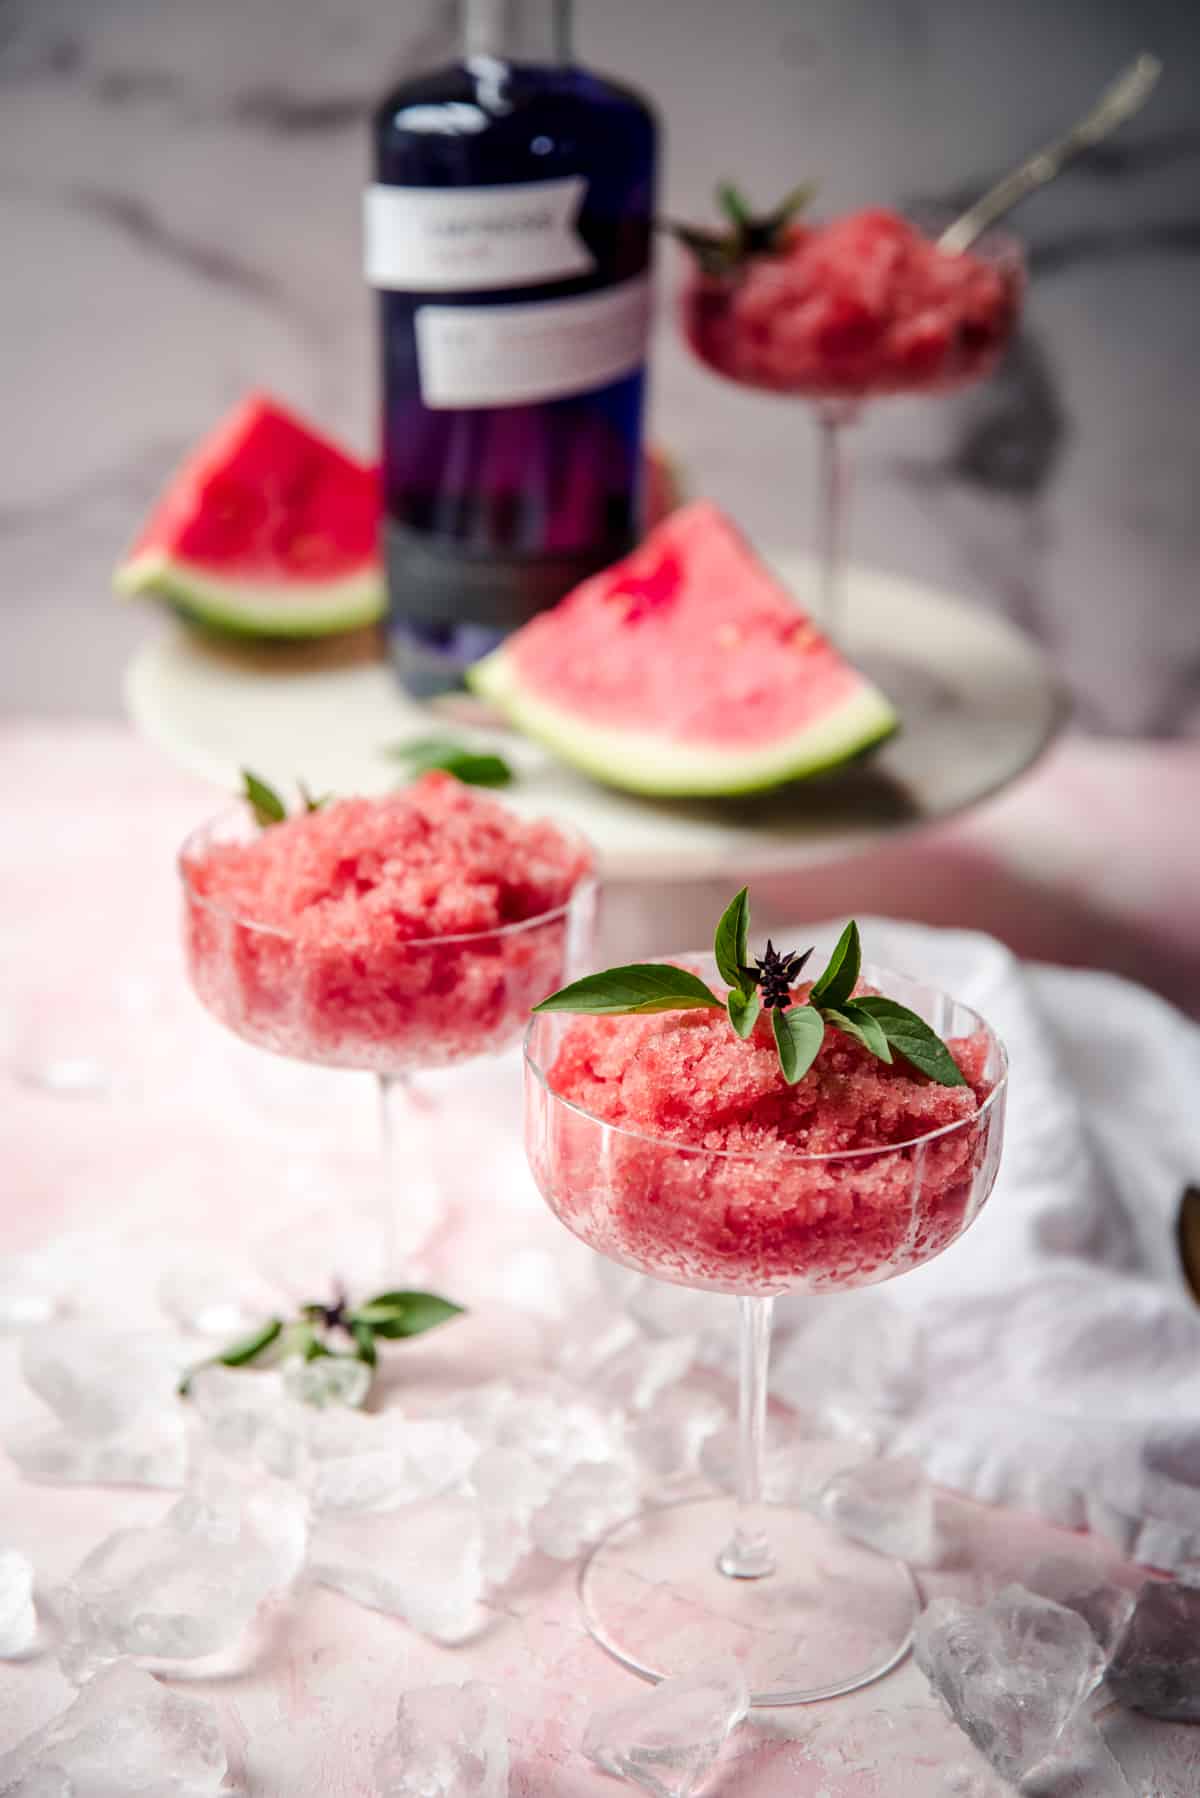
<point x="150" y="1452"/>
<point x="1012" y="1673"/>
<point x="670" y="1440"/>
<point x="248" y="1417"/>
<point x="593" y="1497"/>
<point x="18" y="1619"/>
<point x="633" y="1378"/>
<point x="125" y="1736"/>
<point x="1080" y="1583"/>
<point x="183" y="1588"/>
<point x="885" y="1504"/>
<point x="329" y="1380"/>
<point x="30" y="1291"/>
<point x="669" y="1737"/>
<point x="423" y="1564"/>
<point x="509" y="1487"/>
<point x="376" y="1463"/>
<point x="448" y="1742"/>
<point x="1155" y="1665"/>
<point x="97" y="1381"/>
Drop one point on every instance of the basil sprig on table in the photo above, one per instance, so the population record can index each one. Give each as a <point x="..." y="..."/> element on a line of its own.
<point x="266" y="804"/>
<point x="883" y="1026"/>
<point x="312" y="1335"/>
<point x="474" y="767"/>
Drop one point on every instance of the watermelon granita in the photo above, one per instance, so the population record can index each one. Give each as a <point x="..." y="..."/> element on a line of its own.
<point x="387" y="934"/>
<point x="718" y="1173"/>
<point x="865" y="304"/>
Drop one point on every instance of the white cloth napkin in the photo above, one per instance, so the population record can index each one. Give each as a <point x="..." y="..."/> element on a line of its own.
<point x="1050" y="1360"/>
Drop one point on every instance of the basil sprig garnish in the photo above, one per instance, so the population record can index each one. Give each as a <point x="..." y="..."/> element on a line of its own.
<point x="316" y="1332"/>
<point x="474" y="767"/>
<point x="884" y="1027"/>
<point x="267" y="805"/>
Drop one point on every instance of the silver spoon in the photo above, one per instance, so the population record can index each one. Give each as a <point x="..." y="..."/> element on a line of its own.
<point x="1116" y="104"/>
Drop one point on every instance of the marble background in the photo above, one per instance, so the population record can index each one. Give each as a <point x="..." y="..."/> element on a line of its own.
<point x="179" y="220"/>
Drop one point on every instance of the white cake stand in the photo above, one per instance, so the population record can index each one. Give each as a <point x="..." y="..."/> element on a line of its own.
<point x="978" y="702"/>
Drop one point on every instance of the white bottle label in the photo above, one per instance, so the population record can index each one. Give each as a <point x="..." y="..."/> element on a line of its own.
<point x="517" y="355"/>
<point x="467" y="239"/>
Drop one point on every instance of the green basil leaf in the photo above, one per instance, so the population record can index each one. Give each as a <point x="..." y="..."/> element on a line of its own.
<point x="240" y="1354"/>
<point x="474" y="767"/>
<point x="264" y="801"/>
<point x="405" y="1314"/>
<point x="799" y="1033"/>
<point x="310" y="801"/>
<point x="364" y="1338"/>
<point x="641" y="987"/>
<point x="743" y="1009"/>
<point x="835" y="985"/>
<point x="911" y="1037"/>
<point x="731" y="944"/>
<point x="860" y="1025"/>
<point x="732" y="203"/>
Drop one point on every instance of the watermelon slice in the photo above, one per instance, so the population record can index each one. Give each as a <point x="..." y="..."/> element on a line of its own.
<point x="685" y="670"/>
<point x="268" y="529"/>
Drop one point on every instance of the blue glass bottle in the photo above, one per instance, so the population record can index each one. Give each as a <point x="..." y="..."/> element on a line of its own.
<point x="509" y="235"/>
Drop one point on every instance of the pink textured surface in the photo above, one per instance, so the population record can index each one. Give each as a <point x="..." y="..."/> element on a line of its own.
<point x="203" y="1149"/>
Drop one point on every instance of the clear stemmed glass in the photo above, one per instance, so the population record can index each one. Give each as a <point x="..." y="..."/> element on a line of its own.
<point x="809" y="1614"/>
<point x="738" y="325"/>
<point x="430" y="1002"/>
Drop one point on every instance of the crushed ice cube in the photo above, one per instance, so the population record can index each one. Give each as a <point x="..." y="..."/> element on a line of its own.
<point x="214" y="1298"/>
<point x="1012" y="1673"/>
<point x="1155" y="1665"/>
<point x="592" y="1498"/>
<point x="448" y="1742"/>
<point x="329" y="1380"/>
<point x="510" y="1486"/>
<point x="423" y="1564"/>
<point x="125" y="1736"/>
<point x="248" y="1417"/>
<point x="114" y="1396"/>
<point x="887" y="1505"/>
<point x="18" y="1619"/>
<point x="375" y="1463"/>
<point x="669" y="1442"/>
<point x="668" y="1739"/>
<point x="183" y="1588"/>
<point x="1080" y="1583"/>
<point x="635" y="1375"/>
<point x="30" y="1291"/>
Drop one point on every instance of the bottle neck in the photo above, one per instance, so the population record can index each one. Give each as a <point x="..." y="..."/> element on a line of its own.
<point x="537" y="31"/>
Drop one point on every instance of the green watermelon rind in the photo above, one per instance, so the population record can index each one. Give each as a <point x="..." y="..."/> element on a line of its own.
<point x="637" y="761"/>
<point x="257" y="608"/>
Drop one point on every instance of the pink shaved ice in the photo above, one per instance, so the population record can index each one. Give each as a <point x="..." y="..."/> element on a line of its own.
<point x="331" y="937"/>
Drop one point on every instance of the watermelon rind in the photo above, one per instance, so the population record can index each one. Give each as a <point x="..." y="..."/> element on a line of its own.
<point x="257" y="609"/>
<point x="639" y="761"/>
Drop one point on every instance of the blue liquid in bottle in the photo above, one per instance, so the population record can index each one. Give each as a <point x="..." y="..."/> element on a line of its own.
<point x="509" y="235"/>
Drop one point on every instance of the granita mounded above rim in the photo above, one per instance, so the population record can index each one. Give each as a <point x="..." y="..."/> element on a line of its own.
<point x="435" y="859"/>
<point x="388" y="934"/>
<point x="684" y="1076"/>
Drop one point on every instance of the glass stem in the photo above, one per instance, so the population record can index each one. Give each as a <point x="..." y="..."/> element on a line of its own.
<point x="409" y="1201"/>
<point x="747" y="1554"/>
<point x="833" y="506"/>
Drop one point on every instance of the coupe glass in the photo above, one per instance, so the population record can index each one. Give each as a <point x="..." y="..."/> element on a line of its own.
<point x="808" y="1613"/>
<point x="726" y="323"/>
<point x="428" y="1002"/>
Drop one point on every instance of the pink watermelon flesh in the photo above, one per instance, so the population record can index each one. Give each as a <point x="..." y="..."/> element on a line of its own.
<point x="685" y="669"/>
<point x="268" y="528"/>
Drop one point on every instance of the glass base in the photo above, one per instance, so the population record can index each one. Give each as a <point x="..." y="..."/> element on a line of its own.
<point x="831" y="1616"/>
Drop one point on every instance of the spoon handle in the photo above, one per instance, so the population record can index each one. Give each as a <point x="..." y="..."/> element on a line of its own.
<point x="1116" y="104"/>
